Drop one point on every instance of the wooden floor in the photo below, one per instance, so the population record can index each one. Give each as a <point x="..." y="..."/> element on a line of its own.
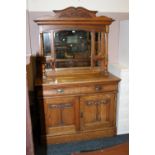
<point x="121" y="149"/>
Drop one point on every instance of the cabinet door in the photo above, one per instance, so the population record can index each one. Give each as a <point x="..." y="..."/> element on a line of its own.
<point x="61" y="115"/>
<point x="97" y="111"/>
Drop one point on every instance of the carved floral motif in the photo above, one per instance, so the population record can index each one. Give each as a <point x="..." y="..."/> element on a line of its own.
<point x="78" y="12"/>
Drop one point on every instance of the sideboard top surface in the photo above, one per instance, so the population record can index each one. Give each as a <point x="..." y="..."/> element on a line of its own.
<point x="77" y="79"/>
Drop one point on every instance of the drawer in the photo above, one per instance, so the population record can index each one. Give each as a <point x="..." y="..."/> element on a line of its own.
<point x="77" y="90"/>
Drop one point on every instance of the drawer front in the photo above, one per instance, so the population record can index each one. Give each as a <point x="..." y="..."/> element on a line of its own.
<point x="98" y="88"/>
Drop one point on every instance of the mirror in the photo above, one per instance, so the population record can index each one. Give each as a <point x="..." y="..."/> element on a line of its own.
<point x="72" y="48"/>
<point x="46" y="44"/>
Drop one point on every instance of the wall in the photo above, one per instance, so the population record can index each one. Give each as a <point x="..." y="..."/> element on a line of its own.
<point x="123" y="52"/>
<point x="28" y="41"/>
<point x="121" y="70"/>
<point x="123" y="97"/>
<point x="100" y="5"/>
<point x="113" y="42"/>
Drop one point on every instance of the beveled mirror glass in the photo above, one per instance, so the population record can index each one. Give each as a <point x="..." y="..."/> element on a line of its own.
<point x="46" y="44"/>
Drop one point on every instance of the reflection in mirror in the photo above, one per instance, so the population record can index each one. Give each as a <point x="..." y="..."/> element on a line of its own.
<point x="72" y="48"/>
<point x="46" y="44"/>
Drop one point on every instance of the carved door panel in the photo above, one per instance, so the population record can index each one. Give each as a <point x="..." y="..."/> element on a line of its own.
<point x="61" y="115"/>
<point x="97" y="111"/>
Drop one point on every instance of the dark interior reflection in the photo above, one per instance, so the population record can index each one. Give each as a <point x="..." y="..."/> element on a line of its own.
<point x="72" y="48"/>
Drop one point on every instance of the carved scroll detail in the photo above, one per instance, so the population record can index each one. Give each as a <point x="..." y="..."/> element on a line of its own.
<point x="78" y="12"/>
<point x="60" y="106"/>
<point x="97" y="102"/>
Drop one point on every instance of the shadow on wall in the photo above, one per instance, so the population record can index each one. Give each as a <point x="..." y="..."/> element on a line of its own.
<point x="39" y="148"/>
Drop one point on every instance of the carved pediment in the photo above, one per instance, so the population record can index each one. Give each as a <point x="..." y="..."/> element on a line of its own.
<point x="73" y="12"/>
<point x="74" y="16"/>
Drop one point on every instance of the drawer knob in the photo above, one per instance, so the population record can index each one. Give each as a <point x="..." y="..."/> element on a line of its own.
<point x="60" y="91"/>
<point x="98" y="88"/>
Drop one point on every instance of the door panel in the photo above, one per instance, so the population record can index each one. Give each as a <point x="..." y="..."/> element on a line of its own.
<point x="60" y="115"/>
<point x="53" y="116"/>
<point x="97" y="111"/>
<point x="67" y="116"/>
<point x="90" y="114"/>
